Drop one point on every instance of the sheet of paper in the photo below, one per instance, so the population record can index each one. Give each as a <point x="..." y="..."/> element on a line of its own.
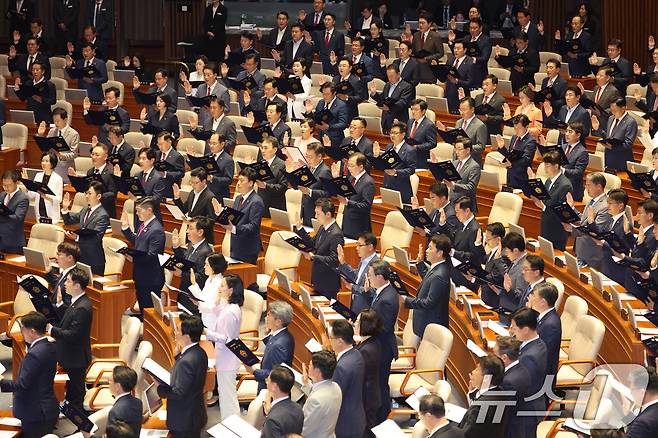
<point x="312" y="345"/>
<point x="497" y="328"/>
<point x="473" y="347"/>
<point x="10" y="421"/>
<point x="626" y="297"/>
<point x="649" y="331"/>
<point x="297" y="374"/>
<point x="7" y="433"/>
<point x="414" y="399"/>
<point x="157" y="370"/>
<point x="162" y="258"/>
<point x="61" y="377"/>
<point x="176" y="212"/>
<point x="454" y="413"/>
<point x="475" y="301"/>
<point x="236" y="425"/>
<point x="388" y="429"/>
<point x="17" y="259"/>
<point x="153" y="433"/>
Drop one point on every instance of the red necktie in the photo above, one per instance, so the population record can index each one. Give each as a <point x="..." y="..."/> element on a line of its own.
<point x="209" y="90"/>
<point x="326" y="39"/>
<point x="464" y="125"/>
<point x="317" y="19"/>
<point x="485" y="100"/>
<point x="164" y="157"/>
<point x="141" y="228"/>
<point x="8" y="199"/>
<point x="413" y="129"/>
<point x="598" y="95"/>
<point x="240" y="203"/>
<point x="422" y="40"/>
<point x="569" y="150"/>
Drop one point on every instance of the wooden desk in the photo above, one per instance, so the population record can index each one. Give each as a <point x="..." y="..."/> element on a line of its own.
<point x="8" y="158"/>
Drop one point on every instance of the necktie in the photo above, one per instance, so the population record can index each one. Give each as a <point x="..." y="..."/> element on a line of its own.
<point x="465" y="125"/>
<point x="317" y="18"/>
<point x="87" y="63"/>
<point x="29" y="63"/>
<point x="403" y="63"/>
<point x="164" y="157"/>
<point x="569" y="150"/>
<point x="456" y="63"/>
<point x="141" y="229"/>
<point x="353" y="59"/>
<point x="549" y="183"/>
<point x="209" y="90"/>
<point x="96" y="12"/>
<point x="241" y="203"/>
<point x="612" y="128"/>
<point x="327" y="36"/>
<point x="7" y="199"/>
<point x="516" y="140"/>
<point x="459" y="165"/>
<point x="96" y="171"/>
<point x="86" y="218"/>
<point x="413" y="129"/>
<point x="485" y="100"/>
<point x="598" y="95"/>
<point x="422" y="41"/>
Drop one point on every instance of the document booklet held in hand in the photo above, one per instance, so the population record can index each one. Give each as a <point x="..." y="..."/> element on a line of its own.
<point x="242" y="352"/>
<point x="157" y="371"/>
<point x="234" y="426"/>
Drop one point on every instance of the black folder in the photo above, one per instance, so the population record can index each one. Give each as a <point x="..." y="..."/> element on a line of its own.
<point x="300" y="243"/>
<point x="422" y="53"/>
<point x="149" y="128"/>
<point x="115" y="160"/>
<point x="381" y="101"/>
<point x="26" y="90"/>
<point x="344" y="87"/>
<point x="48" y="143"/>
<point x="566" y="213"/>
<point x="388" y="160"/>
<point x="164" y="166"/>
<point x="131" y="184"/>
<point x="242" y="352"/>
<point x="324" y="116"/>
<point x="33" y="286"/>
<point x="444" y="170"/>
<point x="257" y="134"/>
<point x="81" y="183"/>
<point x="200" y="134"/>
<point x="543" y="95"/>
<point x="396" y="282"/>
<point x="132" y="252"/>
<point x="246" y="83"/>
<point x="77" y="416"/>
<point x="472" y="49"/>
<point x="343" y="310"/>
<point x="509" y="61"/>
<point x="359" y="69"/>
<point x="553" y="123"/>
<point x="263" y="171"/>
<point x="291" y="84"/>
<point x="554" y="147"/>
<point x="451" y="135"/>
<point x="535" y="187"/>
<point x="229" y="216"/>
<point x="339" y="186"/>
<point x="200" y="101"/>
<point x="34" y="186"/>
<point x="643" y="180"/>
<point x="483" y="109"/>
<point x="341" y="152"/>
<point x="43" y="305"/>
<point x="301" y="177"/>
<point x="417" y="218"/>
<point x="174" y="262"/>
<point x="145" y="98"/>
<point x="102" y="117"/>
<point x="85" y="72"/>
<point x="441" y="71"/>
<point x="208" y="163"/>
<point x="4" y="210"/>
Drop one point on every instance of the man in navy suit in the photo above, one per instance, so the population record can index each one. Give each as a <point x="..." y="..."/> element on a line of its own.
<point x="578" y="61"/>
<point x="93" y="85"/>
<point x="524" y="73"/>
<point x="646" y="422"/>
<point x="386" y="303"/>
<point x="401" y="93"/>
<point x="463" y="64"/>
<point x="274" y="113"/>
<point x="273" y="191"/>
<point x="366" y="248"/>
<point x="151" y="179"/>
<point x="175" y="163"/>
<point x="324" y="256"/>
<point x="283" y="416"/>
<point x="651" y="103"/>
<point x="338" y="109"/>
<point x="186" y="412"/>
<point x="357" y="94"/>
<point x="349" y="374"/>
<point x="219" y="182"/>
<point x="622" y="229"/>
<point x="327" y="40"/>
<point x="525" y="24"/>
<point x="279" y="343"/>
<point x="356" y="215"/>
<point x="430" y="305"/>
<point x="549" y="327"/>
<point x="149" y="241"/>
<point x="422" y="132"/>
<point x="295" y="48"/>
<point x="644" y="246"/>
<point x="622" y="127"/>
<point x="533" y="356"/>
<point x="112" y="95"/>
<point x="572" y="111"/>
<point x="444" y="219"/>
<point x="577" y="159"/>
<point x="34" y="400"/>
<point x="313" y="21"/>
<point x="39" y="102"/>
<point x="516" y="378"/>
<point x="245" y="233"/>
<point x="12" y="234"/>
<point x="523" y="141"/>
<point x="623" y="70"/>
<point x="408" y="67"/>
<point x="313" y="155"/>
<point x="127" y="407"/>
<point x="399" y="177"/>
<point x="280" y="34"/>
<point x="556" y="82"/>
<point x="210" y="87"/>
<point x="22" y="63"/>
<point x="467" y="243"/>
<point x="480" y="69"/>
<point x="359" y="57"/>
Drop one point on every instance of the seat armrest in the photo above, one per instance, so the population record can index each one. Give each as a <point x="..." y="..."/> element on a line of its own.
<point x="418" y="371"/>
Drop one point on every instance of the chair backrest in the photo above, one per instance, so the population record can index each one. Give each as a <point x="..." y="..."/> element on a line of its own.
<point x="22" y="302"/>
<point x="433" y="350"/>
<point x="409" y="338"/>
<point x="586" y="342"/>
<point x="293" y="203"/>
<point x="414" y="180"/>
<point x="539" y="77"/>
<point x="252" y="309"/>
<point x="501" y="73"/>
<point x="379" y="84"/>
<point x="226" y="245"/>
<point x="443" y="151"/>
<point x="552" y="136"/>
<point x="199" y="146"/>
<point x="493" y="166"/>
<point x="560" y="290"/>
<point x="280" y="254"/>
<point x="144" y="352"/>
<point x="396" y="231"/>
<point x="82" y="164"/>
<point x="244" y="153"/>
<point x="129" y="341"/>
<point x="14" y="135"/>
<point x="506" y="208"/>
<point x="255" y="415"/>
<point x="60" y="86"/>
<point x="369" y="109"/>
<point x="133" y="139"/>
<point x="79" y="202"/>
<point x="4" y="65"/>
<point x="113" y="261"/>
<point x="184" y="115"/>
<point x="129" y="208"/>
<point x="113" y="83"/>
<point x="424" y="90"/>
<point x="63" y="104"/>
<point x="489" y="178"/>
<point x="574" y="308"/>
<point x="541" y="172"/>
<point x="46" y="237"/>
<point x="545" y="56"/>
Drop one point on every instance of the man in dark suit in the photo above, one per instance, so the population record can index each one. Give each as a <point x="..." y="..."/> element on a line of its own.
<point x="149" y="241"/>
<point x="514" y="282"/>
<point x="651" y="103"/>
<point x="339" y="112"/>
<point x="356" y="215"/>
<point x="556" y="82"/>
<point x="406" y="65"/>
<point x="324" y="256"/>
<point x="23" y="63"/>
<point x="401" y="93"/>
<point x="578" y="64"/>
<point x="463" y="64"/>
<point x="199" y="201"/>
<point x="349" y="374"/>
<point x="269" y="96"/>
<point x="359" y="57"/>
<point x="523" y="141"/>
<point x="19" y="14"/>
<point x="38" y="33"/>
<point x="481" y="58"/>
<point x="493" y="116"/>
<point x="160" y="86"/>
<point x="315" y="20"/>
<point x="525" y="24"/>
<point x="279" y="35"/>
<point x="533" y="275"/>
<point x="12" y="234"/>
<point x="100" y="14"/>
<point x="645" y="423"/>
<point x="433" y="417"/>
<point x="467" y="244"/>
<point x="68" y="254"/>
<point x="112" y="95"/>
<point x="572" y="111"/>
<point x="127" y="407"/>
<point x="399" y="177"/>
<point x="604" y="94"/>
<point x="557" y="186"/>
<point x="523" y="72"/>
<point x="363" y="21"/>
<point x="93" y="221"/>
<point x="93" y="85"/>
<point x="211" y="87"/>
<point x="622" y="127"/>
<point x="297" y="47"/>
<point x="66" y="22"/>
<point x="357" y="137"/>
<point x="314" y="153"/>
<point x="549" y="327"/>
<point x="151" y="179"/>
<point x="622" y="68"/>
<point x="495" y="264"/>
<point x="88" y="36"/>
<point x="275" y="113"/>
<point x="358" y="91"/>
<point x="72" y="336"/>
<point x="327" y="40"/>
<point x="577" y="159"/>
<point x="34" y="401"/>
<point x="219" y="183"/>
<point x="279" y="343"/>
<point x="175" y="163"/>
<point x="199" y="235"/>
<point x="427" y="40"/>
<point x="217" y="122"/>
<point x="272" y="191"/>
<point x="485" y="393"/>
<point x="386" y="303"/>
<point x="213" y="40"/>
<point x="430" y="305"/>
<point x="442" y="213"/>
<point x="469" y="170"/>
<point x="622" y="230"/>
<point x="643" y="247"/>
<point x="366" y="248"/>
<point x="421" y="132"/>
<point x="283" y="416"/>
<point x="235" y="67"/>
<point x="533" y="356"/>
<point x="186" y="412"/>
<point x="119" y="147"/>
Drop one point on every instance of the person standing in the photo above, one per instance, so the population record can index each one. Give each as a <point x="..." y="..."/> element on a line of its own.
<point x="66" y="23"/>
<point x="213" y="40"/>
<point x="283" y="416"/>
<point x="324" y="396"/>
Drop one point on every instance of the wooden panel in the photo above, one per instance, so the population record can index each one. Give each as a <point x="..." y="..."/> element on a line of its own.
<point x="631" y="21"/>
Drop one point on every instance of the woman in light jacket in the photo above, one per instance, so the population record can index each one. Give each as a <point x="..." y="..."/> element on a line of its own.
<point x="214" y="268"/>
<point x="47" y="205"/>
<point x="227" y="312"/>
<point x="296" y="108"/>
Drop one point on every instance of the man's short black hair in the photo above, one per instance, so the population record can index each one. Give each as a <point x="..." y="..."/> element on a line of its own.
<point x="513" y="241"/>
<point x="283" y="377"/>
<point x="124" y="376"/>
<point x="325" y="361"/>
<point x="432" y="404"/>
<point x="342" y="329"/>
<point x="525" y="317"/>
<point x="79" y="277"/>
<point x="191" y="326"/>
<point x="35" y="321"/>
<point x="492" y="366"/>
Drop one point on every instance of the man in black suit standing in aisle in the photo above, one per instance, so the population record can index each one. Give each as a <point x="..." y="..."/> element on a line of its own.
<point x="127" y="407"/>
<point x="463" y="64"/>
<point x="199" y="201"/>
<point x="199" y="229"/>
<point x="213" y="40"/>
<point x="279" y="35"/>
<point x="313" y="155"/>
<point x="366" y="248"/>
<point x="100" y="14"/>
<point x="174" y="161"/>
<point x="93" y="221"/>
<point x="34" y="401"/>
<point x="356" y="215"/>
<point x="282" y="415"/>
<point x="358" y="92"/>
<point x="549" y="327"/>
<point x="149" y="241"/>
<point x="12" y="233"/>
<point x="273" y="191"/>
<point x="467" y="244"/>
<point x="433" y="416"/>
<point x="578" y="61"/>
<point x="324" y="256"/>
<point x="399" y="178"/>
<point x="386" y="303"/>
<point x="66" y="22"/>
<point x="516" y="378"/>
<point x="327" y="40"/>
<point x="422" y="132"/>
<point x="645" y="423"/>
<point x="400" y="91"/>
<point x="556" y="82"/>
<point x="67" y="257"/>
<point x="19" y="14"/>
<point x="186" y="405"/>
<point x="112" y="95"/>
<point x="72" y="336"/>
<point x="430" y="305"/>
<point x="295" y="48"/>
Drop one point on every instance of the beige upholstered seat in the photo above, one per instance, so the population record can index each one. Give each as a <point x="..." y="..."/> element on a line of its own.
<point x="279" y="255"/>
<point x="415" y="181"/>
<point x="79" y="202"/>
<point x="252" y="309"/>
<point x="539" y="77"/>
<point x="293" y="203"/>
<point x="57" y="66"/>
<point x="99" y="418"/>
<point x="574" y="308"/>
<point x="133" y="139"/>
<point x="495" y="166"/>
<point x="184" y="119"/>
<point x="14" y="135"/>
<point x="60" y="86"/>
<point x="21" y="305"/>
<point x="491" y="179"/>
<point x="506" y="209"/>
<point x="367" y="109"/>
<point x="46" y="237"/>
<point x="111" y="66"/>
<point x="552" y="136"/>
<point x="255" y="415"/>
<point x="431" y="358"/>
<point x="630" y="91"/>
<point x="198" y="146"/>
<point x="100" y="369"/>
<point x="541" y="172"/>
<point x="396" y="232"/>
<point x="129" y="208"/>
<point x="583" y="350"/>
<point x="443" y="151"/>
<point x="431" y="90"/>
<point x="117" y="84"/>
<point x="82" y="165"/>
<point x="501" y="73"/>
<point x="4" y="65"/>
<point x="113" y="261"/>
<point x="63" y="104"/>
<point x="406" y="351"/>
<point x="379" y="84"/>
<point x="545" y="56"/>
<point x="560" y="290"/>
<point x="245" y="153"/>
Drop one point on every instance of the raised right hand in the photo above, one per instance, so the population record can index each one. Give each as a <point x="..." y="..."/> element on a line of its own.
<point x="175" y="238"/>
<point x="341" y="254"/>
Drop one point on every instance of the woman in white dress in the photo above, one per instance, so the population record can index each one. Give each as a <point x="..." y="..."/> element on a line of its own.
<point x="47" y="206"/>
<point x="214" y="268"/>
<point x="296" y="107"/>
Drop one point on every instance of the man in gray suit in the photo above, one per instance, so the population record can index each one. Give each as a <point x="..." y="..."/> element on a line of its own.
<point x="622" y="129"/>
<point x="12" y="216"/>
<point x="468" y="169"/>
<point x="93" y="221"/>
<point x="366" y="248"/>
<point x="274" y="113"/>
<point x="514" y="283"/>
<point x="212" y="87"/>
<point x="70" y="136"/>
<point x="324" y="396"/>
<point x="604" y="93"/>
<point x="596" y="215"/>
<point x="421" y="133"/>
<point x="273" y="191"/>
<point x="216" y="122"/>
<point x="474" y="127"/>
<point x="284" y="416"/>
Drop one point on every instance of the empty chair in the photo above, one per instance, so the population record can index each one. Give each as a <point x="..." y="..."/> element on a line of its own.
<point x="99" y="370"/>
<point x="406" y="351"/>
<point x="113" y="260"/>
<point x="111" y="66"/>
<point x="14" y="135"/>
<point x="293" y="203"/>
<point x="46" y="237"/>
<point x="279" y="255"/>
<point x="444" y="151"/>
<point x="425" y="90"/>
<point x="133" y="139"/>
<point x="198" y="146"/>
<point x="60" y="86"/>
<point x="574" y="308"/>
<point x="506" y="209"/>
<point x="501" y="73"/>
<point x="252" y="309"/>
<point x="367" y="109"/>
<point x="57" y="67"/>
<point x="82" y="165"/>
<point x="244" y="153"/>
<point x="113" y="83"/>
<point x="581" y="355"/>
<point x="495" y="166"/>
<point x="396" y="232"/>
